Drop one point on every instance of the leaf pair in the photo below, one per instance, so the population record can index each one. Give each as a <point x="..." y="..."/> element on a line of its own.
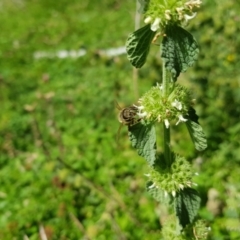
<point x="143" y="137"/>
<point x="179" y="49"/>
<point x="187" y="201"/>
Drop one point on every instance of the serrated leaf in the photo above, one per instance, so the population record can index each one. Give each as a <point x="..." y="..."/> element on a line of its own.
<point x="197" y="135"/>
<point x="179" y="50"/>
<point x="192" y="115"/>
<point x="138" y="45"/>
<point x="187" y="203"/>
<point x="143" y="138"/>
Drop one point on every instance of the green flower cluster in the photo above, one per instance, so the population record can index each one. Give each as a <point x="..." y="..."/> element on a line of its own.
<point x="162" y="12"/>
<point x="171" y="229"/>
<point x="171" y="180"/>
<point x="200" y="230"/>
<point x="154" y="106"/>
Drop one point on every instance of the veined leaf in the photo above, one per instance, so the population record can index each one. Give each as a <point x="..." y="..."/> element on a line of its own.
<point x="138" y="45"/>
<point x="197" y="135"/>
<point x="192" y="115"/>
<point x="179" y="50"/>
<point x="187" y="203"/>
<point x="143" y="138"/>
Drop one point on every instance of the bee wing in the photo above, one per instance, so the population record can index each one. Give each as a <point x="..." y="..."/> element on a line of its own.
<point x="118" y="133"/>
<point x="117" y="105"/>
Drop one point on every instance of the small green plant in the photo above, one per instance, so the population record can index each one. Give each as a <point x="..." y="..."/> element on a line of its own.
<point x="168" y="103"/>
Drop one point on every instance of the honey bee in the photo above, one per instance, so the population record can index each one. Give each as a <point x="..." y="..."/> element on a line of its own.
<point x="127" y="116"/>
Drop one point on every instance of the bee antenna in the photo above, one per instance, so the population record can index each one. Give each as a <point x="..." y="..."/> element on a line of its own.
<point x="117" y="105"/>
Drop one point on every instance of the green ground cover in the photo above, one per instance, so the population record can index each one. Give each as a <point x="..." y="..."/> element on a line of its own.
<point x="61" y="167"/>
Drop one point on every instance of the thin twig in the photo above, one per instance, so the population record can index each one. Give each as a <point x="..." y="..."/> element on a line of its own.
<point x="79" y="225"/>
<point x="118" y="230"/>
<point x="42" y="233"/>
<point x="25" y="237"/>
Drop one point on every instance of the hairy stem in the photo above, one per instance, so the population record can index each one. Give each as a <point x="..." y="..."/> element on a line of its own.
<point x="166" y="145"/>
<point x="135" y="70"/>
<point x="166" y="79"/>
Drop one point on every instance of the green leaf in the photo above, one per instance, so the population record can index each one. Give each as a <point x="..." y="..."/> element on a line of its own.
<point x="197" y="135"/>
<point x="143" y="138"/>
<point x="179" y="50"/>
<point x="192" y="115"/>
<point x="138" y="45"/>
<point x="187" y="204"/>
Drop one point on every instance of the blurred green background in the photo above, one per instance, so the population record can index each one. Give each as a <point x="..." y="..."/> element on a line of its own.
<point x="62" y="172"/>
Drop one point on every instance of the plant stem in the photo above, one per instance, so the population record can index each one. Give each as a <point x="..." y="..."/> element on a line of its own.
<point x="166" y="145"/>
<point x="166" y="78"/>
<point x="135" y="70"/>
